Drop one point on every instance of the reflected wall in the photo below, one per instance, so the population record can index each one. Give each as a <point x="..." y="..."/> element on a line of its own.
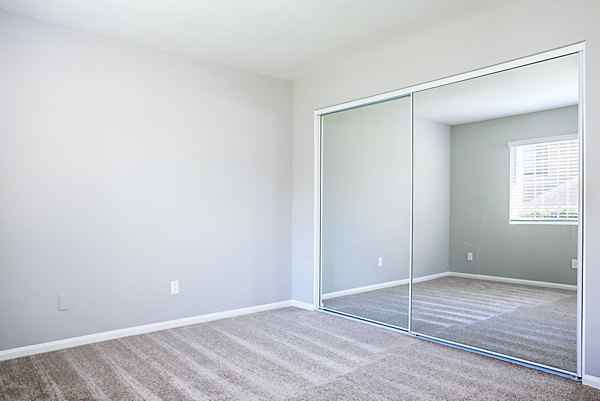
<point x="366" y="211"/>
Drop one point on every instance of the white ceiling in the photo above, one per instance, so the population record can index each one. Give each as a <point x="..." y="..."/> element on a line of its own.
<point x="282" y="38"/>
<point x="542" y="86"/>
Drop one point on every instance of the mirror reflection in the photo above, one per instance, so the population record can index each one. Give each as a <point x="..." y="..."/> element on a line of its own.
<point x="496" y="231"/>
<point x="487" y="172"/>
<point x="366" y="211"/>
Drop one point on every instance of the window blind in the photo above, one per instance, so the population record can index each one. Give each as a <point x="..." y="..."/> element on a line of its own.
<point x="544" y="182"/>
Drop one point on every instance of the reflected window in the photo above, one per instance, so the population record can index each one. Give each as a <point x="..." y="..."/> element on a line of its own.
<point x="544" y="180"/>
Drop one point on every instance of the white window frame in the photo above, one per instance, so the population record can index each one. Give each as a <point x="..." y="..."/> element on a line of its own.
<point x="542" y="140"/>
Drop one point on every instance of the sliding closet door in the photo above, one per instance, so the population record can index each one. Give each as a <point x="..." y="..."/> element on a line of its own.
<point x="366" y="211"/>
<point x="496" y="212"/>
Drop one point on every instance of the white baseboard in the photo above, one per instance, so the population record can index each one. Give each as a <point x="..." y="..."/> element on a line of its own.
<point x="365" y="288"/>
<point x="430" y="277"/>
<point x="591" y="381"/>
<point x="380" y="286"/>
<point x="303" y="305"/>
<point x="147" y="328"/>
<point x="514" y="281"/>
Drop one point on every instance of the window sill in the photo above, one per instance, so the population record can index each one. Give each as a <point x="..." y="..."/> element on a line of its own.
<point x="545" y="222"/>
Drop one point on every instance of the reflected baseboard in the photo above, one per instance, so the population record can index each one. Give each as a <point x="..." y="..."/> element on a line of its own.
<point x="514" y="281"/>
<point x="394" y="283"/>
<point x="380" y="286"/>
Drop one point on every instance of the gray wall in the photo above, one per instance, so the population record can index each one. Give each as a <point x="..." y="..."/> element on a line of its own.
<point x="432" y="197"/>
<point x="366" y="195"/>
<point x="480" y="203"/>
<point x="504" y="34"/>
<point x="124" y="167"/>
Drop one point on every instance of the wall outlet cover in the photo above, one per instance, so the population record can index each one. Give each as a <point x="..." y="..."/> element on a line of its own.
<point x="174" y="287"/>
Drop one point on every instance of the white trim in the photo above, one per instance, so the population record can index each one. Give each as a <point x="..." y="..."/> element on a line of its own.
<point x="545" y="222"/>
<point x="147" y="328"/>
<point x="514" y="281"/>
<point x="581" y="249"/>
<point x="317" y="212"/>
<point x="547" y="139"/>
<point x="380" y="286"/>
<point x="303" y="305"/>
<point x="430" y="277"/>
<point x="366" y="288"/>
<point x="411" y="238"/>
<point x="591" y="381"/>
<point x="563" y="51"/>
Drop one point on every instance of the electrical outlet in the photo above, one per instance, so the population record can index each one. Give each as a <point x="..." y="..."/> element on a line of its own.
<point x="380" y="262"/>
<point x="174" y="287"/>
<point x="574" y="264"/>
<point x="469" y="256"/>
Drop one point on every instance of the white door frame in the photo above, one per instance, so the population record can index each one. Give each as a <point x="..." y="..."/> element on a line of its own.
<point x="563" y="51"/>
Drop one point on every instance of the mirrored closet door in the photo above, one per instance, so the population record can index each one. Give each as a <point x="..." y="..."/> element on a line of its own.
<point x="496" y="212"/>
<point x="366" y="211"/>
<point x="454" y="212"/>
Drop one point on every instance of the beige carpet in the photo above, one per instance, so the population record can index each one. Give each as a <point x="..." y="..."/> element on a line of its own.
<point x="537" y="324"/>
<point x="285" y="354"/>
